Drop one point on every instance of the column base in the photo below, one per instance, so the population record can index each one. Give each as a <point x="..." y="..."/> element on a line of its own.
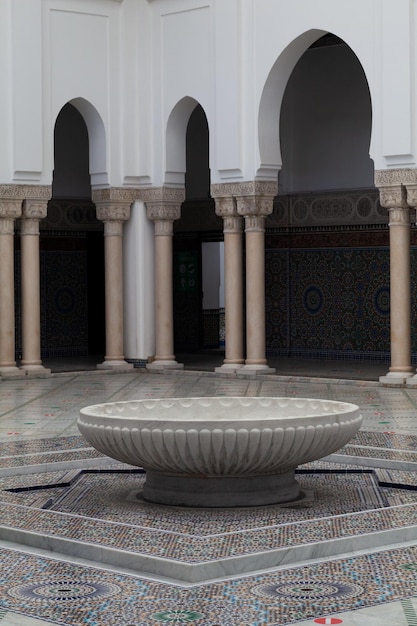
<point x="164" y="365"/>
<point x="252" y="368"/>
<point x="228" y="368"/>
<point x="412" y="381"/>
<point x="11" y="371"/>
<point x="36" y="371"/>
<point x="395" y="378"/>
<point x="117" y="365"/>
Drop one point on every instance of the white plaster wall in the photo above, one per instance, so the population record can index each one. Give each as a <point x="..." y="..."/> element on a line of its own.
<point x="136" y="99"/>
<point x="5" y="91"/>
<point x="182" y="64"/>
<point x="27" y="95"/>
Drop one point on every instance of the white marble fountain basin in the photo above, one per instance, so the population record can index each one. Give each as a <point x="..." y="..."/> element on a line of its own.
<point x="222" y="451"/>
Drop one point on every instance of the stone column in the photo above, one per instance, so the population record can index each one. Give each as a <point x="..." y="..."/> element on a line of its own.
<point x="113" y="208"/>
<point x="34" y="210"/>
<point x="255" y="203"/>
<point x="233" y="281"/>
<point x="393" y="197"/>
<point x="412" y="203"/>
<point x="163" y="207"/>
<point x="10" y="210"/>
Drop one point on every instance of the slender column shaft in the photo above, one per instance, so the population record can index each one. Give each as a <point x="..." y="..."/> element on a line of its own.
<point x="7" y="323"/>
<point x="255" y="208"/>
<point x="163" y="294"/>
<point x="113" y="213"/>
<point x="393" y="197"/>
<point x="113" y="272"/>
<point x="233" y="282"/>
<point x="233" y="297"/>
<point x="400" y="290"/>
<point x="255" y="292"/>
<point x="30" y="276"/>
<point x="9" y="211"/>
<point x="163" y="214"/>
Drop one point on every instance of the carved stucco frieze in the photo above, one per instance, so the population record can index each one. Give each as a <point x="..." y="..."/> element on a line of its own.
<point x="160" y="195"/>
<point x="405" y="176"/>
<point x="40" y="192"/>
<point x="245" y="188"/>
<point x="110" y="195"/>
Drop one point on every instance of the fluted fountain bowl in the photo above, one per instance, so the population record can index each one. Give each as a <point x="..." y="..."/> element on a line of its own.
<point x="222" y="451"/>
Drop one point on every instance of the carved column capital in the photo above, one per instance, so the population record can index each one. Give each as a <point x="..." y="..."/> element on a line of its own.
<point x="393" y="196"/>
<point x="10" y="210"/>
<point x="226" y="208"/>
<point x="412" y="195"/>
<point x="163" y="207"/>
<point x="256" y="200"/>
<point x="113" y="208"/>
<point x="34" y="210"/>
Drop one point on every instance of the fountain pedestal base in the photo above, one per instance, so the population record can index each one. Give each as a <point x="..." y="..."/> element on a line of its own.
<point x="223" y="491"/>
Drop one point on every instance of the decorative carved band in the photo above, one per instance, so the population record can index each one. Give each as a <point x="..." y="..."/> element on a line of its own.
<point x="40" y="192"/>
<point x="399" y="216"/>
<point x="246" y="188"/>
<point x="254" y="223"/>
<point x="113" y="228"/>
<point x="232" y="224"/>
<point x="6" y="226"/>
<point x="163" y="228"/>
<point x="384" y="178"/>
<point x="115" y="195"/>
<point x="29" y="227"/>
<point x="160" y="195"/>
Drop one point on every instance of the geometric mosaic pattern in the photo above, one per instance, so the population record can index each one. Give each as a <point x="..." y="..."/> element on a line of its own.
<point x="38" y="422"/>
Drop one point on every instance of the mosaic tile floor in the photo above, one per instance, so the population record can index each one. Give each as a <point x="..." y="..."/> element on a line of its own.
<point x="347" y="554"/>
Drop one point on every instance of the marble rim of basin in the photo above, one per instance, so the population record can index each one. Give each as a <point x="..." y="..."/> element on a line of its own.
<point x="220" y="451"/>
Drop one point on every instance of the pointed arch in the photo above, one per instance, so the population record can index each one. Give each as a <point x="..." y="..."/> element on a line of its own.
<point x="270" y="157"/>
<point x="176" y="131"/>
<point x="97" y="141"/>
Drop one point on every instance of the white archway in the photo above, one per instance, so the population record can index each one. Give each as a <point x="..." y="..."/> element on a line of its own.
<point x="97" y="141"/>
<point x="176" y="129"/>
<point x="269" y="140"/>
